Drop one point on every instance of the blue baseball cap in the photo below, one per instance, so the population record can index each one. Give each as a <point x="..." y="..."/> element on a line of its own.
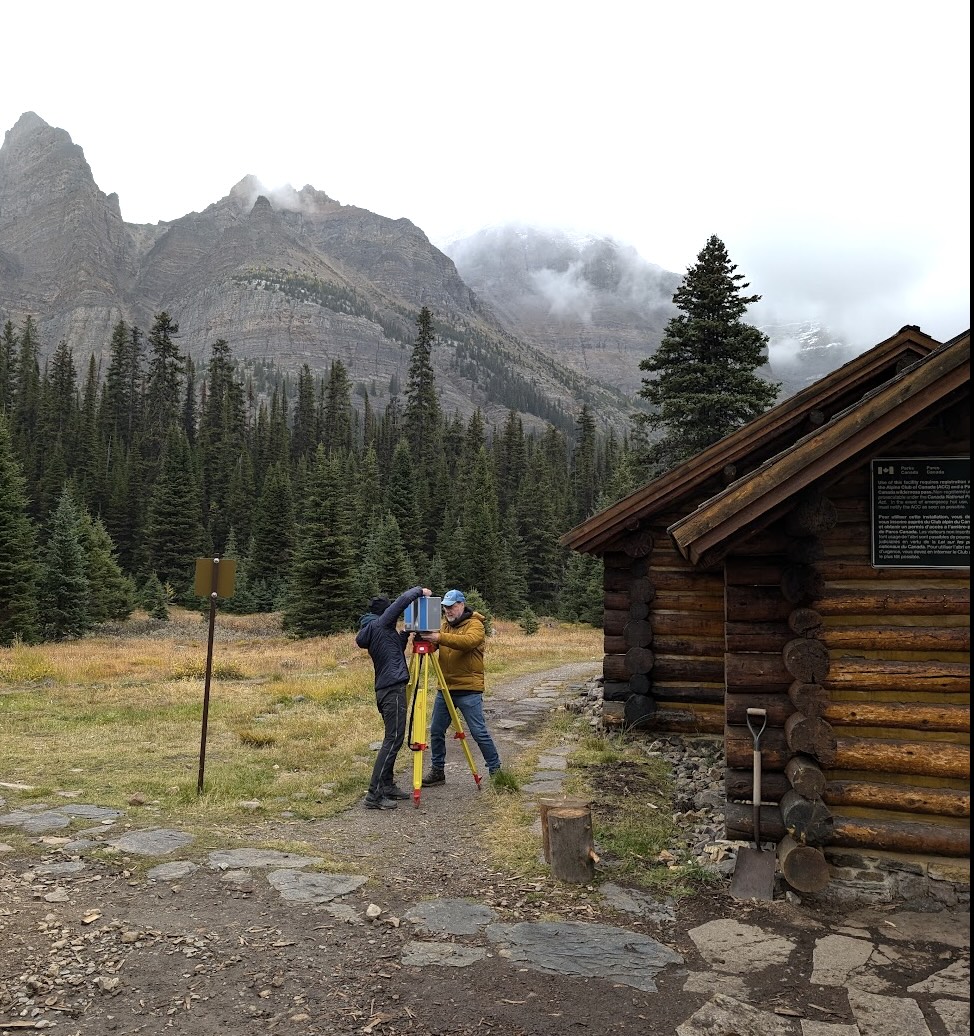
<point x="453" y="597"/>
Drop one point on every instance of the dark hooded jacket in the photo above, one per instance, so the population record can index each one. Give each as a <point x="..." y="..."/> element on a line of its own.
<point x="385" y="644"/>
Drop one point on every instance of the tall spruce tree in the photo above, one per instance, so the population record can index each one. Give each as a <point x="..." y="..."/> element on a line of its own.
<point x="174" y="526"/>
<point x="65" y="590"/>
<point x="111" y="594"/>
<point x="222" y="438"/>
<point x="8" y="365"/>
<point x="336" y="416"/>
<point x="121" y="397"/>
<point x="321" y="594"/>
<point x="164" y="402"/>
<point x="272" y="538"/>
<point x="421" y="418"/>
<point x="19" y="568"/>
<point x="705" y="385"/>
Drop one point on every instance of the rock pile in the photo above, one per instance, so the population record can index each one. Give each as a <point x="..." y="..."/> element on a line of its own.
<point x="697" y="766"/>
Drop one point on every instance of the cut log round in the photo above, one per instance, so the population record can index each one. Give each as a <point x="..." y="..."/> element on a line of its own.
<point x="811" y="699"/>
<point x="805" y="622"/>
<point x="805" y="776"/>
<point x="639" y="683"/>
<point x="806" y="660"/>
<point x="808" y="821"/>
<point x="639" y="660"/>
<point x="812" y="736"/>
<point x="804" y="867"/>
<point x="638" y="633"/>
<point x="639" y="544"/>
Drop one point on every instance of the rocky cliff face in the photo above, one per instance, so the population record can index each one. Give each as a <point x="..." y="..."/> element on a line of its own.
<point x="295" y="279"/>
<point x="525" y="319"/>
<point x="596" y="305"/>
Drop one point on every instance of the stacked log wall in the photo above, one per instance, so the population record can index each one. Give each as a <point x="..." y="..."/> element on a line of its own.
<point x="663" y="626"/>
<point x="868" y="740"/>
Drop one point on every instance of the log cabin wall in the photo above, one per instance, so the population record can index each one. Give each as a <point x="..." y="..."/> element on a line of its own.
<point x="663" y="625"/>
<point x="865" y="676"/>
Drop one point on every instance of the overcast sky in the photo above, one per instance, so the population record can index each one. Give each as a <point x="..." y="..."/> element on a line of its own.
<point x="827" y="145"/>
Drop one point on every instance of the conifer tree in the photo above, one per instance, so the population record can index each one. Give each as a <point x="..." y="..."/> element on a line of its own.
<point x="111" y="592"/>
<point x="92" y="471"/>
<point x="163" y="395"/>
<point x="8" y="365"/>
<point x="421" y="418"/>
<point x="510" y="460"/>
<point x="65" y="590"/>
<point x="304" y="430"/>
<point x="174" y="526"/>
<point x="19" y="567"/>
<point x="58" y="427"/>
<point x="394" y="566"/>
<point x="222" y="439"/>
<point x="154" y="598"/>
<point x="705" y="385"/>
<point x="581" y="597"/>
<point x="25" y="409"/>
<point x="121" y="400"/>
<point x="540" y="523"/>
<point x="476" y="552"/>
<point x="584" y="460"/>
<point x="272" y="538"/>
<point x="336" y="419"/>
<point x="321" y="596"/>
<point x="403" y="497"/>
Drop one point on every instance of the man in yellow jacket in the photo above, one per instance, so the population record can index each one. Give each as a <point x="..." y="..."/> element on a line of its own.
<point x="460" y="642"/>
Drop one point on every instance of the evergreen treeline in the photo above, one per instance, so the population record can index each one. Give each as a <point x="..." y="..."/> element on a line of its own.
<point x="111" y="486"/>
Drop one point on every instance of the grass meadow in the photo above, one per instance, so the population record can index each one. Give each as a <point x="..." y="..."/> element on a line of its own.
<point x="117" y="719"/>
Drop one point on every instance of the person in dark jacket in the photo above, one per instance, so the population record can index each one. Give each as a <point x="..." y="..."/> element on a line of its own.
<point x="386" y="647"/>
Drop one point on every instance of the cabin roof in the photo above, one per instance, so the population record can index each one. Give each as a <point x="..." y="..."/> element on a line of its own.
<point x="754" y="443"/>
<point x="918" y="393"/>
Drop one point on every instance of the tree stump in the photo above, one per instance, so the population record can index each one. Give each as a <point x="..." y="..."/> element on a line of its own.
<point x="556" y="802"/>
<point x="573" y="856"/>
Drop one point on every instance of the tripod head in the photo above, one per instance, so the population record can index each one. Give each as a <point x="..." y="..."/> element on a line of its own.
<point x="422" y="646"/>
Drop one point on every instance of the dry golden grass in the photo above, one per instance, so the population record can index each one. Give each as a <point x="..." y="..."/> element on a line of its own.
<point x="119" y="717"/>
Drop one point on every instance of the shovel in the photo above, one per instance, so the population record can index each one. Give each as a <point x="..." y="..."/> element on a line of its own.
<point x="754" y="872"/>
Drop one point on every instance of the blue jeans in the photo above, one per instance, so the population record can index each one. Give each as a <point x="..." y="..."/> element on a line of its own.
<point x="471" y="708"/>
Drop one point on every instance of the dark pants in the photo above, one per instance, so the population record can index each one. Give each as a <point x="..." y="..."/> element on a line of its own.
<point x="391" y="703"/>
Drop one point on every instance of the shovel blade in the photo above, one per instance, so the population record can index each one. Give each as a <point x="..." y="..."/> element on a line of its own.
<point x="753" y="875"/>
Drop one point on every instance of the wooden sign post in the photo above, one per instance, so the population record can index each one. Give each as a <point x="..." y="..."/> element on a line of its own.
<point x="214" y="579"/>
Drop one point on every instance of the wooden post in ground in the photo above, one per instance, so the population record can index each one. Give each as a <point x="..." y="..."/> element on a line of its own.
<point x="571" y="845"/>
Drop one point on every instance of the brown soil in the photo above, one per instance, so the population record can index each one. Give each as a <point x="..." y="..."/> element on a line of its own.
<point x="117" y="954"/>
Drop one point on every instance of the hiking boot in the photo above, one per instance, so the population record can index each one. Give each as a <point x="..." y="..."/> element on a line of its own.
<point x="379" y="802"/>
<point x="434" y="777"/>
<point x="393" y="791"/>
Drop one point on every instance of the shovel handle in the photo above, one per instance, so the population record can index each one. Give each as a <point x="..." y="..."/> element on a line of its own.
<point x="753" y="715"/>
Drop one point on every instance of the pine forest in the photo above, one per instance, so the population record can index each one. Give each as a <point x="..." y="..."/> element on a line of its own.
<point x="112" y="487"/>
<point x="113" y="484"/>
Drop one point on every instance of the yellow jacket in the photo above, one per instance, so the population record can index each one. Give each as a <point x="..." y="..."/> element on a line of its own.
<point x="461" y="652"/>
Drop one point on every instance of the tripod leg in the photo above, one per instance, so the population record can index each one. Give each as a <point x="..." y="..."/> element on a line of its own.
<point x="460" y="735"/>
<point x="417" y="735"/>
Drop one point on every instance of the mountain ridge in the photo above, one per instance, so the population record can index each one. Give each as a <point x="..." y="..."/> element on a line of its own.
<point x="525" y="320"/>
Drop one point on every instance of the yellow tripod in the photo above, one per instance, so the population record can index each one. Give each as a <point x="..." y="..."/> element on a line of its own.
<point x="417" y="700"/>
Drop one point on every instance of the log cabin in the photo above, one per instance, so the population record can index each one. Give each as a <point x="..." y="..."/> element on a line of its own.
<point x="814" y="564"/>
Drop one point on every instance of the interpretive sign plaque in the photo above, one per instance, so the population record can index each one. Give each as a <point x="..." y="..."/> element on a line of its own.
<point x="921" y="512"/>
